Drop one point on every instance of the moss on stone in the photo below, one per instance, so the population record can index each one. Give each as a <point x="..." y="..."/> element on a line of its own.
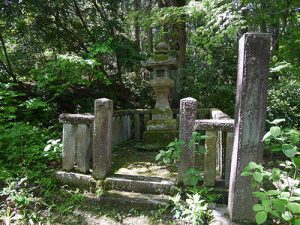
<point x="161" y="111"/>
<point x="162" y="138"/>
<point x="168" y="124"/>
<point x="160" y="57"/>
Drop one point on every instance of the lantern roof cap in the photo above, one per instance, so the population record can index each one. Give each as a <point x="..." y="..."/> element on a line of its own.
<point x="161" y="58"/>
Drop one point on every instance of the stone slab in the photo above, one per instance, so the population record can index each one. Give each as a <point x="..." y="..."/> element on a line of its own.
<point x="76" y="118"/>
<point x="213" y="124"/>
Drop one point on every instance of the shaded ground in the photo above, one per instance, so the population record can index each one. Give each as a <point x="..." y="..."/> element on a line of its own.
<point x="129" y="160"/>
<point x="89" y="209"/>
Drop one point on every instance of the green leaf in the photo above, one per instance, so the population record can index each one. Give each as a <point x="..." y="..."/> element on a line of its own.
<point x="287" y="215"/>
<point x="273" y="192"/>
<point x="297" y="222"/>
<point x="275" y="213"/>
<point x="266" y="136"/>
<point x="277" y="121"/>
<point x="261" y="217"/>
<point x="266" y="202"/>
<point x="296" y="161"/>
<point x="258" y="176"/>
<point x="246" y="173"/>
<point x="260" y="194"/>
<point x="258" y="207"/>
<point x="275" y="131"/>
<point x="279" y="205"/>
<point x="294" y="207"/>
<point x="289" y="150"/>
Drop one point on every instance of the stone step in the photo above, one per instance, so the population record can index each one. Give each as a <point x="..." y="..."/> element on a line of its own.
<point x="127" y="200"/>
<point x="141" y="184"/>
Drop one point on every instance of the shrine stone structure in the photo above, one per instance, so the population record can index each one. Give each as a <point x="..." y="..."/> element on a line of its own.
<point x="231" y="144"/>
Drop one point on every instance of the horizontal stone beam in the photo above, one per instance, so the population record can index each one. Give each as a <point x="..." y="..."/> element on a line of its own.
<point x="76" y="118"/>
<point x="208" y="125"/>
<point x="131" y="112"/>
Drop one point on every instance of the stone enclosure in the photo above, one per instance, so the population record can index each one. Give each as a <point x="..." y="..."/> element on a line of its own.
<point x="232" y="143"/>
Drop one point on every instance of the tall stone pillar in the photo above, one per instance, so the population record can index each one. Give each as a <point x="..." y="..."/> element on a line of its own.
<point x="188" y="113"/>
<point x="250" y="118"/>
<point x="102" y="137"/>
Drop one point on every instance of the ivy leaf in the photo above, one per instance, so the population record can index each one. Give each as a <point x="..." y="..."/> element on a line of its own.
<point x="261" y="217"/>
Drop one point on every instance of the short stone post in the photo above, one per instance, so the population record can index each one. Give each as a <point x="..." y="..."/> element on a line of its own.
<point x="83" y="147"/>
<point x="250" y="118"/>
<point x="188" y="113"/>
<point x="69" y="146"/>
<point x="137" y="127"/>
<point x="210" y="158"/>
<point x="102" y="137"/>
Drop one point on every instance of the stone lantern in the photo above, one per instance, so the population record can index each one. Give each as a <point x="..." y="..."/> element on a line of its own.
<point x="162" y="128"/>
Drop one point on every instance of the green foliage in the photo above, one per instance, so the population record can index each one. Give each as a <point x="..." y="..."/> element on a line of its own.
<point x="172" y="154"/>
<point x="279" y="189"/>
<point x="192" y="207"/>
<point x="24" y="145"/>
<point x="192" y="176"/>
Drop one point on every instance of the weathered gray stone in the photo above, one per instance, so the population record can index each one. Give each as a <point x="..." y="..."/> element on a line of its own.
<point x="76" y="179"/>
<point x="228" y="155"/>
<point x="137" y="127"/>
<point x="114" y="131"/>
<point x="129" y="127"/>
<point x="210" y="158"/>
<point x="83" y="142"/>
<point x="188" y="113"/>
<point x="76" y="118"/>
<point x="141" y="184"/>
<point x="221" y="125"/>
<point x="69" y="146"/>
<point x="124" y="129"/>
<point x="221" y="141"/>
<point x="102" y="137"/>
<point x="250" y="117"/>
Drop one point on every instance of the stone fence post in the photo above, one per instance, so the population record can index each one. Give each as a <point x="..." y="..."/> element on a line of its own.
<point x="188" y="113"/>
<point x="102" y="137"/>
<point x="250" y="118"/>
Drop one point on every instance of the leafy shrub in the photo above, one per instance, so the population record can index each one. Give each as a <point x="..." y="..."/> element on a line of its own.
<point x="172" y="154"/>
<point x="23" y="145"/>
<point x="191" y="207"/>
<point x="278" y="189"/>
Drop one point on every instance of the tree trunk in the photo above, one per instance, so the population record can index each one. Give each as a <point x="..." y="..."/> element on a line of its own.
<point x="8" y="67"/>
<point x="137" y="29"/>
<point x="150" y="32"/>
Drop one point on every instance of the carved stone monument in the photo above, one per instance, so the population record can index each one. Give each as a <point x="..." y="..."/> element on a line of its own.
<point x="162" y="128"/>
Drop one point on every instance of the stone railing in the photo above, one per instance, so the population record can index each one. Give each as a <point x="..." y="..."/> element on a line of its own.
<point x="88" y="139"/>
<point x="219" y="144"/>
<point x="77" y="141"/>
